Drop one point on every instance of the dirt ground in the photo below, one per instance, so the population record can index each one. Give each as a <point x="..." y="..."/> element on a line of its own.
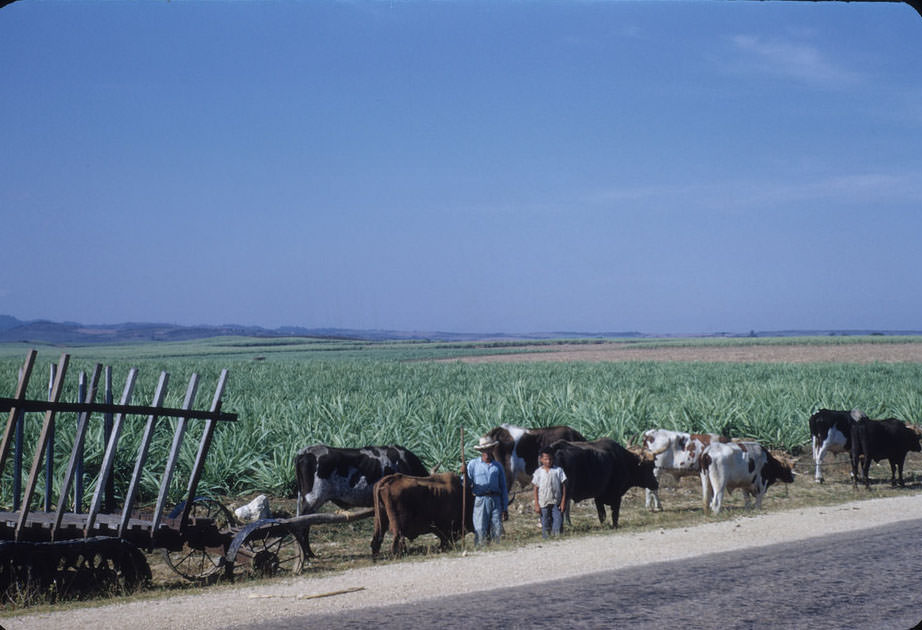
<point x="794" y="353"/>
<point x="407" y="582"/>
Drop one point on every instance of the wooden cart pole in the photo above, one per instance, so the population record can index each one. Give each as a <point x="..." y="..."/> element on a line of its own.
<point x="463" y="494"/>
<point x="108" y="458"/>
<point x="174" y="454"/>
<point x="132" y="493"/>
<point x="72" y="475"/>
<point x="203" y="447"/>
<point x="14" y="412"/>
<point x="42" y="446"/>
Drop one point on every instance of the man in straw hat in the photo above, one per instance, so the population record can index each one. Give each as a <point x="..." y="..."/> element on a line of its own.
<point x="491" y="498"/>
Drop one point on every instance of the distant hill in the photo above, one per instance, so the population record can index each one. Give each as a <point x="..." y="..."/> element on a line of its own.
<point x="13" y="330"/>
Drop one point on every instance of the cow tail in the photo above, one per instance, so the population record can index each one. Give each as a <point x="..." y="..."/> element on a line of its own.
<point x="381" y="520"/>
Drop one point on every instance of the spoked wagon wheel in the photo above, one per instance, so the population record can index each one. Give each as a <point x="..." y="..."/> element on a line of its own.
<point x="266" y="548"/>
<point x="200" y="563"/>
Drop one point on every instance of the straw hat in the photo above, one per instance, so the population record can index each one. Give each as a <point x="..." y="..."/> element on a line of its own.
<point x="485" y="443"/>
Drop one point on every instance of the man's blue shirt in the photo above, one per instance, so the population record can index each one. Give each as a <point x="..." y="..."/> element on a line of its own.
<point x="488" y="478"/>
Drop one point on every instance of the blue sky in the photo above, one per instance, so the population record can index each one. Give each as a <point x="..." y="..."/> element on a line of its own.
<point x="670" y="166"/>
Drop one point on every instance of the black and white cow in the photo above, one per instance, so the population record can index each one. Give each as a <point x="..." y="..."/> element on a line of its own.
<point x="602" y="470"/>
<point x="880" y="439"/>
<point x="346" y="476"/>
<point x="744" y="465"/>
<point x="831" y="432"/>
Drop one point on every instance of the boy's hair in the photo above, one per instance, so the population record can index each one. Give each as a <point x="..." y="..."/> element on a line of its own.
<point x="547" y="450"/>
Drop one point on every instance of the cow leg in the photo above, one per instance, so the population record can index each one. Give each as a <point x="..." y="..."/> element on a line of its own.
<point x="307" y="542"/>
<point x="866" y="468"/>
<point x="651" y="497"/>
<point x="717" y="486"/>
<point x="818" y="453"/>
<point x="566" y="513"/>
<point x="600" y="507"/>
<point x="705" y="490"/>
<point x="615" y="512"/>
<point x="855" y="458"/>
<point x="896" y="467"/>
<point x="376" y="544"/>
<point x="717" y="502"/>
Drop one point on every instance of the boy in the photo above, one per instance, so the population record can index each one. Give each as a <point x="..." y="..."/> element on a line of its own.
<point x="550" y="484"/>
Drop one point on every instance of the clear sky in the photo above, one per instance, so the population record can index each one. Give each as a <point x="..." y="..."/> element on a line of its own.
<point x="655" y="166"/>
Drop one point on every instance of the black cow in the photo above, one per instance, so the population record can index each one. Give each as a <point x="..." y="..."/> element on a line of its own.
<point x="879" y="439"/>
<point x="602" y="470"/>
<point x="519" y="447"/>
<point x="831" y="431"/>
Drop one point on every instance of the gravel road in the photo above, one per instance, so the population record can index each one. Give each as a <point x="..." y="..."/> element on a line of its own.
<point x="408" y="582"/>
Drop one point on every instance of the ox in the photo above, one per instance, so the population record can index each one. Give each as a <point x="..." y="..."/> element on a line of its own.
<point x="879" y="439"/>
<point x="345" y="476"/>
<point x="602" y="470"/>
<point x="831" y="432"/>
<point x="518" y="448"/>
<point x="409" y="506"/>
<point x="744" y="465"/>
<point x="675" y="453"/>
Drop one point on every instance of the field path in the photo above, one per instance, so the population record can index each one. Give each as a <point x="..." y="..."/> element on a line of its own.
<point x="769" y="353"/>
<point x="415" y="581"/>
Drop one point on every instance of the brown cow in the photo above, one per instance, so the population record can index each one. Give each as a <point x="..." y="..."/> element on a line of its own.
<point x="408" y="506"/>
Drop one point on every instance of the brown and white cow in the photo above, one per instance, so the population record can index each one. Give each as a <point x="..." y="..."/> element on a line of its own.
<point x="519" y="447"/>
<point x="674" y="453"/>
<point x="409" y="506"/>
<point x="744" y="465"/>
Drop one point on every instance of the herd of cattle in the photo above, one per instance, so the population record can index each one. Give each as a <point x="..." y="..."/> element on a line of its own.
<point x="409" y="501"/>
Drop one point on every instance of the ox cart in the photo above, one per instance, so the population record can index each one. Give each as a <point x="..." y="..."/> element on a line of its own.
<point x="64" y="553"/>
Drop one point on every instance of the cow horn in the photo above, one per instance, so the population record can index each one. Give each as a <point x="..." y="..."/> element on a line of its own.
<point x="658" y="451"/>
<point x="642" y="452"/>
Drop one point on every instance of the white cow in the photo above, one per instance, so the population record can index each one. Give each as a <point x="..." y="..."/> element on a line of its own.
<point x="744" y="465"/>
<point x="675" y="453"/>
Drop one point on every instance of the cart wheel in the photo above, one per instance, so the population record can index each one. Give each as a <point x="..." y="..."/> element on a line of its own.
<point x="202" y="564"/>
<point x="266" y="548"/>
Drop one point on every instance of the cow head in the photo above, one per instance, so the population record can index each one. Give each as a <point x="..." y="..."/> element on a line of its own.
<point x="643" y="473"/>
<point x="645" y="477"/>
<point x="778" y="469"/>
<point x="914" y="445"/>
